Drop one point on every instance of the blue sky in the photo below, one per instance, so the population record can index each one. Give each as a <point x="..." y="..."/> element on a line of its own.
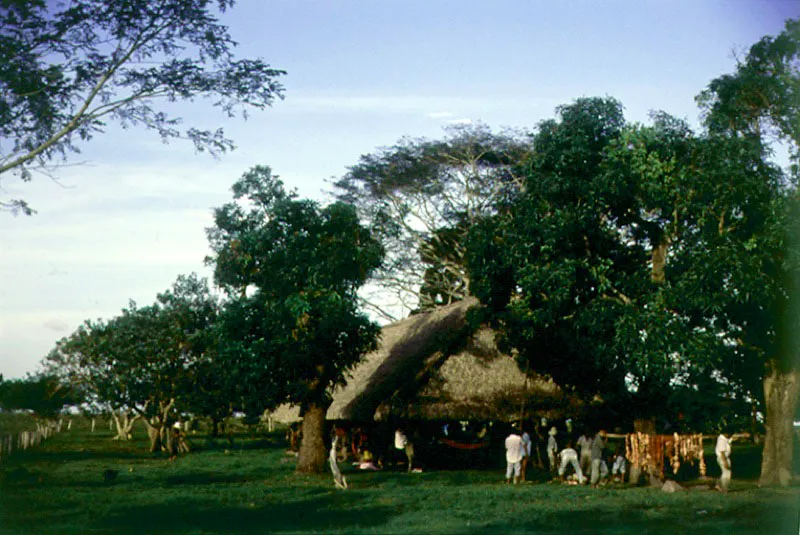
<point x="128" y="214"/>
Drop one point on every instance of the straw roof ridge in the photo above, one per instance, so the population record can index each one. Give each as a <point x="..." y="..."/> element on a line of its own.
<point x="409" y="350"/>
<point x="436" y="365"/>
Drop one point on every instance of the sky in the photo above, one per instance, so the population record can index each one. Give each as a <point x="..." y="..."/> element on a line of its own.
<point x="126" y="216"/>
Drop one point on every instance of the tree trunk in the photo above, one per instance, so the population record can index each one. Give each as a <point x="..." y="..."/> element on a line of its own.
<point x="659" y="259"/>
<point x="166" y="439"/>
<point x="312" y="446"/>
<point x="124" y="422"/>
<point x="648" y="427"/>
<point x="154" y="433"/>
<point x="780" y="399"/>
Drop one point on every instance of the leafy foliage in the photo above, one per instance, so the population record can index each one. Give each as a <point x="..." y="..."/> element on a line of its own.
<point x="639" y="261"/>
<point x="147" y="358"/>
<point x="420" y="196"/>
<point x="763" y="96"/>
<point x="297" y="331"/>
<point x="43" y="394"/>
<point x="68" y="68"/>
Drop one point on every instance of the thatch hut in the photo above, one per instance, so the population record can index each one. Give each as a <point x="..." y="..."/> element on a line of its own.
<point x="434" y="366"/>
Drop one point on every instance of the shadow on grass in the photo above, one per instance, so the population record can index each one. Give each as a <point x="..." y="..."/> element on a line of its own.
<point x="335" y="511"/>
<point x="772" y="519"/>
<point x="85" y="455"/>
<point x="210" y="478"/>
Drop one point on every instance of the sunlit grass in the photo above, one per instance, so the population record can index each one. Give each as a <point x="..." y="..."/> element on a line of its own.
<point x="252" y="488"/>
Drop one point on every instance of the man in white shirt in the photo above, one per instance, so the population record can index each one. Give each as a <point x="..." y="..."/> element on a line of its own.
<point x="401" y="443"/>
<point x="514" y="449"/>
<point x="723" y="452"/>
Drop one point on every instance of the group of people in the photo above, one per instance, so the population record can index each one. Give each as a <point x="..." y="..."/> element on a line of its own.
<point x="589" y="462"/>
<point x="588" y="465"/>
<point x="587" y="459"/>
<point x="358" y="445"/>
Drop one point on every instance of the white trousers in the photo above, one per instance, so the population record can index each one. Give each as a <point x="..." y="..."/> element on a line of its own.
<point x="513" y="469"/>
<point x="725" y="478"/>
<point x="573" y="460"/>
<point x="619" y="466"/>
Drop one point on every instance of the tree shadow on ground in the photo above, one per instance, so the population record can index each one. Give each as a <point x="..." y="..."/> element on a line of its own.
<point x="240" y="442"/>
<point x="334" y="511"/>
<point x="210" y="478"/>
<point x="61" y="457"/>
<point x="650" y="518"/>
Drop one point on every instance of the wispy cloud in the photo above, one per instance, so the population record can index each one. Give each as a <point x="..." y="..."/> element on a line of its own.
<point x="463" y="120"/>
<point x="434" y="107"/>
<point x="56" y="325"/>
<point x="440" y="114"/>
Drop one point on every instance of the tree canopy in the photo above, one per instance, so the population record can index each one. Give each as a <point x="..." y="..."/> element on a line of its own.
<point x="420" y="197"/>
<point x="66" y="69"/>
<point x="292" y="327"/>
<point x="148" y="359"/>
<point x="637" y="264"/>
<point x="761" y="100"/>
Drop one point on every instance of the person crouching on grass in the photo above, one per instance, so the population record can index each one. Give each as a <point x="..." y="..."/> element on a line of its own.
<point x="569" y="456"/>
<point x="619" y="464"/>
<point x="514" y="449"/>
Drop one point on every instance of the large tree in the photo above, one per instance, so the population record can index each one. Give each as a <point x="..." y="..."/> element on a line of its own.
<point x="68" y="68"/>
<point x="292" y="328"/>
<point x="420" y="197"/>
<point x="147" y="360"/>
<point x="637" y="262"/>
<point x="534" y="265"/>
<point x="761" y="100"/>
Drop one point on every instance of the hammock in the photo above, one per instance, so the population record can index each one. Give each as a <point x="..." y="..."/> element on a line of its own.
<point x="464" y="445"/>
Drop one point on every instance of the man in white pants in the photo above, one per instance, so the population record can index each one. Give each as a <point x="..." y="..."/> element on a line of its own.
<point x="514" y="449"/>
<point x="570" y="456"/>
<point x="723" y="451"/>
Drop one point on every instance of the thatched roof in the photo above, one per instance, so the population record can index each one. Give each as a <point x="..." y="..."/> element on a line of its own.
<point x="432" y="366"/>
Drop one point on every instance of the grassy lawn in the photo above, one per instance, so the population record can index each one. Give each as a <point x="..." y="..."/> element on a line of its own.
<point x="252" y="488"/>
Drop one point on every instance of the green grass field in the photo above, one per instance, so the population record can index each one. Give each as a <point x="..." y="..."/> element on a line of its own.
<point x="252" y="488"/>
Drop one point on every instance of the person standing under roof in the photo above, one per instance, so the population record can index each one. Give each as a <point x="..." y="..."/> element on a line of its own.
<point x="514" y="450"/>
<point x="552" y="450"/>
<point x="402" y="444"/>
<point x="598" y="445"/>
<point x="585" y="447"/>
<point x="527" y="444"/>
<point x="723" y="452"/>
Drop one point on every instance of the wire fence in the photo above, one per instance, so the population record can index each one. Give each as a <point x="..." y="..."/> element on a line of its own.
<point x="23" y="440"/>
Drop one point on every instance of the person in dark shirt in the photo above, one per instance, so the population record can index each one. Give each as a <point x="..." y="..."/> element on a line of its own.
<point x="598" y="445"/>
